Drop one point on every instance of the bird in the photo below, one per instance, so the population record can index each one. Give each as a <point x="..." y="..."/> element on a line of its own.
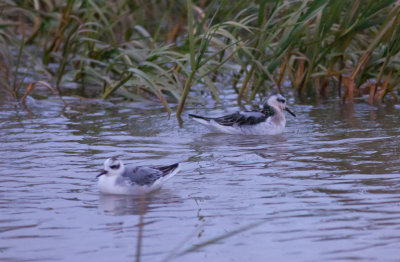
<point x="118" y="179"/>
<point x="269" y="120"/>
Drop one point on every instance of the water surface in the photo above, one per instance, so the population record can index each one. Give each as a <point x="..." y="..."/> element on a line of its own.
<point x="328" y="189"/>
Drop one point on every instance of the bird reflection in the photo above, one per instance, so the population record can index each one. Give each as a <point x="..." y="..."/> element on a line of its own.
<point x="215" y="140"/>
<point x="119" y="205"/>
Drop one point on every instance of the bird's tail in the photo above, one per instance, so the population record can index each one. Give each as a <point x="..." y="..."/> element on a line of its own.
<point x="167" y="170"/>
<point x="200" y="118"/>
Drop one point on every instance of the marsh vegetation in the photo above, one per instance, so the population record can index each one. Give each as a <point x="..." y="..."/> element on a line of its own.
<point x="170" y="51"/>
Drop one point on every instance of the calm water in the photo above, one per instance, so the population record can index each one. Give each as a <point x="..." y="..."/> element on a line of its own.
<point x="328" y="189"/>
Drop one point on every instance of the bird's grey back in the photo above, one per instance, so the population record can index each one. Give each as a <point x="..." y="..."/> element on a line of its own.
<point x="140" y="175"/>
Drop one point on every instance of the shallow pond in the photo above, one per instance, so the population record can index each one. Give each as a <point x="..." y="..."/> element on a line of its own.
<point x="326" y="189"/>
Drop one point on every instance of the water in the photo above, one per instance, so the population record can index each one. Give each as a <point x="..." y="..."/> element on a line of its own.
<point x="328" y="189"/>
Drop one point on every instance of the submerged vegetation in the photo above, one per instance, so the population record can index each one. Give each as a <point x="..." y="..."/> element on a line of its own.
<point x="165" y="49"/>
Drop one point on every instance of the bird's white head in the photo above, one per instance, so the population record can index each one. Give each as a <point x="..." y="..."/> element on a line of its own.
<point x="279" y="102"/>
<point x="113" y="167"/>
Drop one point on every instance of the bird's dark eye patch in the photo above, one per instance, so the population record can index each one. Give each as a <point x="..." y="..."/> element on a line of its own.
<point x="280" y="100"/>
<point x="115" y="166"/>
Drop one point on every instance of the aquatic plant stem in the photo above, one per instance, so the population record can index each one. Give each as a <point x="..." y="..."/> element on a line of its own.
<point x="111" y="90"/>
<point x="193" y="65"/>
<point x="139" y="242"/>
<point x="15" y="87"/>
<point x="184" y="95"/>
<point x="245" y="84"/>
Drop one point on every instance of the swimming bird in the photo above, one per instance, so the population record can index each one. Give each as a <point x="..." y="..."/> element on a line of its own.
<point x="269" y="120"/>
<point x="119" y="179"/>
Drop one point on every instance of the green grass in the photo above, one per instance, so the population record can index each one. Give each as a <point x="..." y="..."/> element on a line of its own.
<point x="163" y="50"/>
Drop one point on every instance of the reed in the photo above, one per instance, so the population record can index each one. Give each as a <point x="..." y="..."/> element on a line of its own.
<point x="169" y="50"/>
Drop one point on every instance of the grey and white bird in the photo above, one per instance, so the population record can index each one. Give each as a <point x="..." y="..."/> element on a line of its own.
<point x="269" y="120"/>
<point x="119" y="179"/>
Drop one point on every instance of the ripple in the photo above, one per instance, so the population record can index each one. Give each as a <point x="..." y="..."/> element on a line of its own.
<point x="327" y="188"/>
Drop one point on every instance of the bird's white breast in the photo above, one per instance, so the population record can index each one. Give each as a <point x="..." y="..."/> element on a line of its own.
<point x="263" y="128"/>
<point x="110" y="185"/>
<point x="107" y="185"/>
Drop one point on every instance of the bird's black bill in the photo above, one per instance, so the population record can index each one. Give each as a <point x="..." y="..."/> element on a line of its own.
<point x="102" y="173"/>
<point x="290" y="112"/>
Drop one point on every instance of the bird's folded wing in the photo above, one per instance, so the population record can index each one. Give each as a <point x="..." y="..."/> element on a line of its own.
<point x="241" y="118"/>
<point x="141" y="175"/>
